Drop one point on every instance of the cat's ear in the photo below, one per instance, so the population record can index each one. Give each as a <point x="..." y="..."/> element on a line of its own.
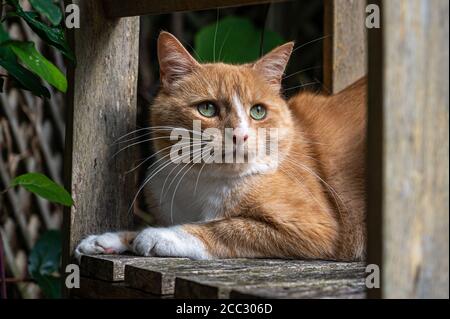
<point x="175" y="61"/>
<point x="272" y="65"/>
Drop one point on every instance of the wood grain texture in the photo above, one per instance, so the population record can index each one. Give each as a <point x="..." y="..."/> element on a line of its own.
<point x="345" y="52"/>
<point x="98" y="289"/>
<point x="184" y="278"/>
<point x="120" y="8"/>
<point x="102" y="107"/>
<point x="307" y="289"/>
<point x="415" y="111"/>
<point x="324" y="276"/>
<point x="160" y="278"/>
<point x="374" y="154"/>
<point x="112" y="267"/>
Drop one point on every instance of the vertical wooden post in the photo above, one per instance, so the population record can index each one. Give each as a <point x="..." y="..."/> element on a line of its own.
<point x="102" y="107"/>
<point x="409" y="72"/>
<point x="345" y="56"/>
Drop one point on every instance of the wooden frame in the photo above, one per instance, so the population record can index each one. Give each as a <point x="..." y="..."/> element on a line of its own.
<point x="407" y="133"/>
<point x="101" y="108"/>
<point x="408" y="149"/>
<point x="119" y="8"/>
<point x="345" y="51"/>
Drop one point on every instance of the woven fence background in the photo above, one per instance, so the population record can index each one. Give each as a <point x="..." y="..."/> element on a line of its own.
<point x="31" y="140"/>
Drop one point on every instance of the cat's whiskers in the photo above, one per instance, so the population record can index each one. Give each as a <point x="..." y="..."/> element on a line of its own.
<point x="199" y="173"/>
<point x="153" y="128"/>
<point x="300" y="86"/>
<point x="305" y="155"/>
<point x="140" y="142"/>
<point x="167" y="177"/>
<point x="154" y="154"/>
<point x="139" y="130"/>
<point x="333" y="192"/>
<point x="301" y="71"/>
<point x="195" y="153"/>
<point x="178" y="184"/>
<point x="152" y="175"/>
<point x="223" y="44"/>
<point x="292" y="176"/>
<point x="215" y="36"/>
<point x="310" y="42"/>
<point x="149" y="140"/>
<point x="144" y="134"/>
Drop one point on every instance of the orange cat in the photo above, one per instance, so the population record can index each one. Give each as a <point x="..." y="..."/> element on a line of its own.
<point x="308" y="203"/>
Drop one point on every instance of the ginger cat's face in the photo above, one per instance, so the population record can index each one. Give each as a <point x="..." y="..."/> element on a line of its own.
<point x="244" y="98"/>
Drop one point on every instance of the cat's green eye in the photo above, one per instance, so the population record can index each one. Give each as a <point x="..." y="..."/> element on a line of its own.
<point x="207" y="109"/>
<point x="258" y="112"/>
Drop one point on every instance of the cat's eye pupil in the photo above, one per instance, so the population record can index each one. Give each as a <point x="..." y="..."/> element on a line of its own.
<point x="207" y="109"/>
<point x="258" y="112"/>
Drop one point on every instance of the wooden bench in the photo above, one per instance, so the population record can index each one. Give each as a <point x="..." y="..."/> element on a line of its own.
<point x="140" y="277"/>
<point x="407" y="155"/>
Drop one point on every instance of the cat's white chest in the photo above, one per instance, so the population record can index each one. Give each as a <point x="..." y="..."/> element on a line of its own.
<point x="186" y="197"/>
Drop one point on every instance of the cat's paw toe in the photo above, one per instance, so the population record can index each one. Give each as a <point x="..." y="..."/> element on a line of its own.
<point x="108" y="243"/>
<point x="145" y="242"/>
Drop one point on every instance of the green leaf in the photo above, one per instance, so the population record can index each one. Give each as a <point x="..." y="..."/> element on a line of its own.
<point x="44" y="263"/>
<point x="24" y="78"/>
<point x="53" y="35"/>
<point x="48" y="9"/>
<point x="44" y="187"/>
<point x="30" y="57"/>
<point x="233" y="40"/>
<point x="5" y="53"/>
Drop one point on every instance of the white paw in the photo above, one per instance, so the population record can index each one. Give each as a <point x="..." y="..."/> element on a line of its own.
<point x="107" y="243"/>
<point x="169" y="242"/>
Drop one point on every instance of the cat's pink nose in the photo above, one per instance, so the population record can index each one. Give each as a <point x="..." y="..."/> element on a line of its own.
<point x="244" y="138"/>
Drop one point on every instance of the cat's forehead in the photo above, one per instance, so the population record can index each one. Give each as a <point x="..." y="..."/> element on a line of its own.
<point x="225" y="81"/>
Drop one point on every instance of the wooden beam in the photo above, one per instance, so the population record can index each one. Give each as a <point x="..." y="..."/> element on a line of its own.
<point x="112" y="267"/>
<point x="99" y="289"/>
<point x="101" y="108"/>
<point x="310" y="279"/>
<point x="413" y="111"/>
<point x="345" y="53"/>
<point x="120" y="8"/>
<point x="374" y="154"/>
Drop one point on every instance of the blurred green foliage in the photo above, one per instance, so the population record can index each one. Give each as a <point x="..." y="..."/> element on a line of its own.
<point x="44" y="263"/>
<point x="233" y="40"/>
<point x="21" y="60"/>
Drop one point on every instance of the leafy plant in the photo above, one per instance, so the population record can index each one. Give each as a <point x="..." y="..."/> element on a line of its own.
<point x="44" y="263"/>
<point x="44" y="187"/>
<point x="48" y="9"/>
<point x="233" y="40"/>
<point x="45" y="257"/>
<point x="22" y="61"/>
<point x="26" y="66"/>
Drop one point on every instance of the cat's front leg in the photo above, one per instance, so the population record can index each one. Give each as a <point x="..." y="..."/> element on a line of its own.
<point x="169" y="242"/>
<point x="107" y="243"/>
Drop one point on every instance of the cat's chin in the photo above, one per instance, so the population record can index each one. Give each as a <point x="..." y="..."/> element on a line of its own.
<point x="236" y="171"/>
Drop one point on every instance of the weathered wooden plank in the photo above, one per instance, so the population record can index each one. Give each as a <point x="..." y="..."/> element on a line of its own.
<point x="101" y="107"/>
<point x="374" y="155"/>
<point x="160" y="278"/>
<point x="307" y="289"/>
<point x="414" y="113"/>
<point x="219" y="285"/>
<point x="345" y="53"/>
<point x="98" y="289"/>
<point x="120" y="8"/>
<point x="112" y="267"/>
<point x="416" y="175"/>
